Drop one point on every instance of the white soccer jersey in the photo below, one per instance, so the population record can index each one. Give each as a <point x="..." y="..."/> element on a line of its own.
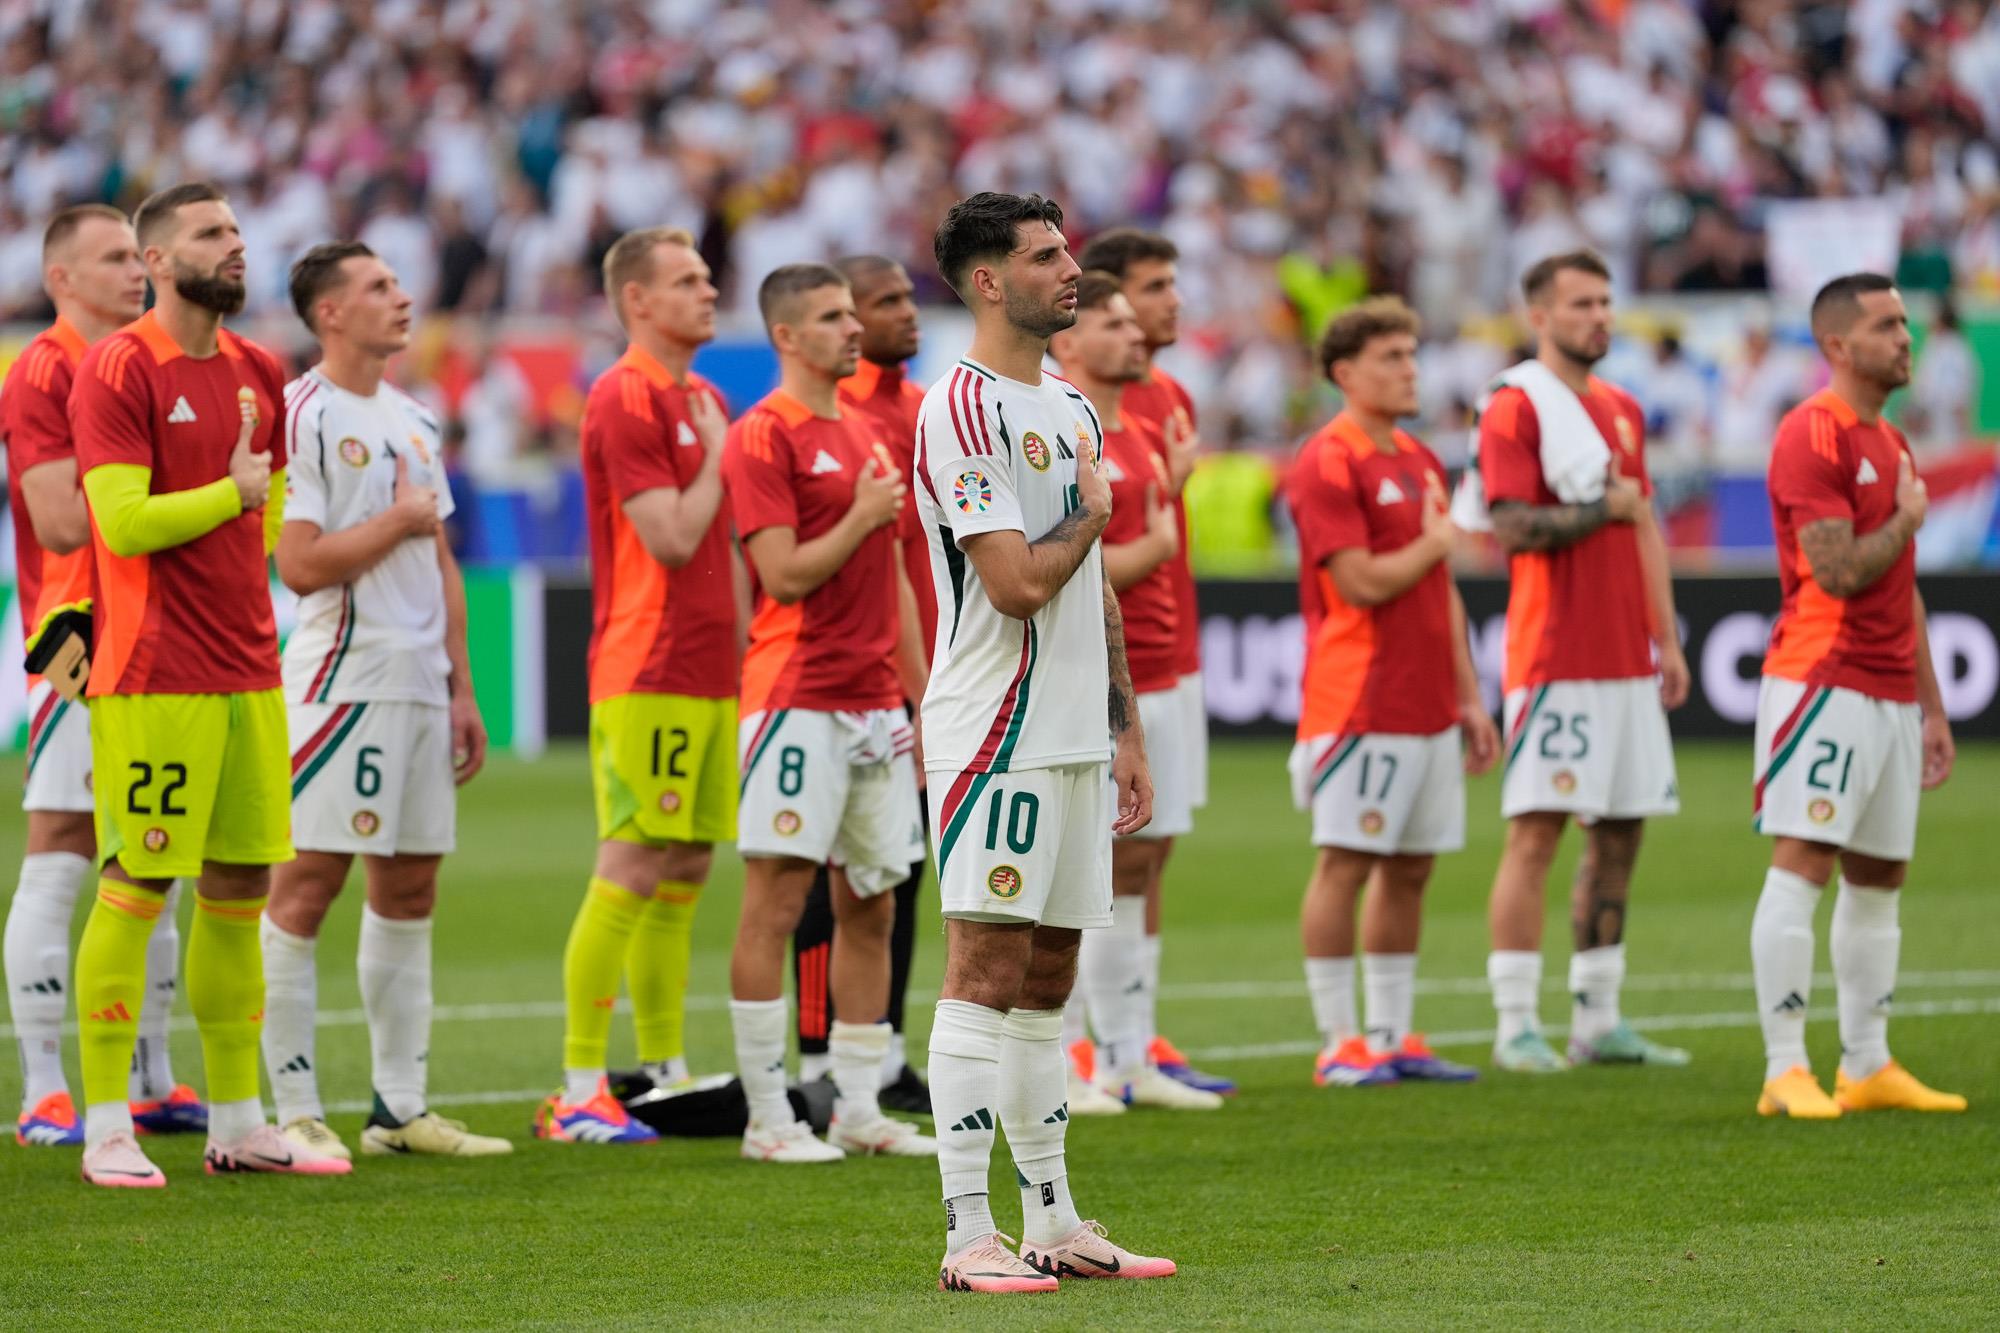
<point x="380" y="637"/>
<point x="1007" y="694"/>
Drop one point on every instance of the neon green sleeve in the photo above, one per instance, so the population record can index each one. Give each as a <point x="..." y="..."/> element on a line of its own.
<point x="133" y="522"/>
<point x="274" y="512"/>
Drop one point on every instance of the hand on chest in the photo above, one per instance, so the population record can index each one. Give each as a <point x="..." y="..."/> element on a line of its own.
<point x="1391" y="491"/>
<point x="1873" y="470"/>
<point x="201" y="418"/>
<point x="362" y="467"/>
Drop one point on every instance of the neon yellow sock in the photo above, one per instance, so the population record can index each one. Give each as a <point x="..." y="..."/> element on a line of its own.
<point x="593" y="961"/>
<point x="111" y="985"/>
<point x="225" y="988"/>
<point x="656" y="970"/>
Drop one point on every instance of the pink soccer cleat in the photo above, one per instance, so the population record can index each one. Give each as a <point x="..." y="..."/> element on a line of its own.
<point x="269" y="1152"/>
<point x="989" y="1266"/>
<point x="1086" y="1252"/>
<point x="117" y="1163"/>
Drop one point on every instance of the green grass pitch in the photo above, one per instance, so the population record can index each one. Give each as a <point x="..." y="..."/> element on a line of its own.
<point x="1604" y="1198"/>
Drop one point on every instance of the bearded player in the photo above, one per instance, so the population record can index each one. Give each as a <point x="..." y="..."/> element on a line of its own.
<point x="1392" y="716"/>
<point x="179" y="442"/>
<point x="1850" y="725"/>
<point x="92" y="274"/>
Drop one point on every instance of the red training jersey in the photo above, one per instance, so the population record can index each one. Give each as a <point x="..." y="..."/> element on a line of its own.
<point x="1151" y="401"/>
<point x="194" y="618"/>
<point x="835" y="648"/>
<point x="1828" y="463"/>
<point x="1369" y="669"/>
<point x="1578" y="613"/>
<point x="653" y="630"/>
<point x="34" y="425"/>
<point x="885" y="398"/>
<point x="1150" y="607"/>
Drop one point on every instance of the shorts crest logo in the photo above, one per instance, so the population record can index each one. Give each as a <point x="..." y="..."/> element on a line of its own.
<point x="786" y="823"/>
<point x="1820" y="811"/>
<point x="155" y="840"/>
<point x="1564" y="781"/>
<point x="670" y="802"/>
<point x="353" y="452"/>
<point x="972" y="492"/>
<point x="366" y="822"/>
<point x="1003" y="882"/>
<point x="1372" y="822"/>
<point x="1036" y="451"/>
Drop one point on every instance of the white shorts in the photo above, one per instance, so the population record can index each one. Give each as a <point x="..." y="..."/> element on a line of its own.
<point x="1163" y="716"/>
<point x="58" y="753"/>
<point x="1839" y="767"/>
<point x="832" y="787"/>
<point x="1028" y="846"/>
<point x="1194" y="743"/>
<point x="1382" y="793"/>
<point x="1598" y="749"/>
<point x="372" y="778"/>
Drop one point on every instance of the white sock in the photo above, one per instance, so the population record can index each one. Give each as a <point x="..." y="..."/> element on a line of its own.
<point x="1516" y="978"/>
<point x="37" y="961"/>
<point x="965" y="1097"/>
<point x="1152" y="994"/>
<point x="1781" y="958"/>
<point x="895" y="1058"/>
<point x="1330" y="982"/>
<point x="1866" y="945"/>
<point x="230" y="1121"/>
<point x="815" y="1064"/>
<point x="760" y="1058"/>
<point x="579" y="1085"/>
<point x="1389" y="989"/>
<point x="291" y="988"/>
<point x="103" y="1120"/>
<point x="857" y="1050"/>
<point x="1595" y="976"/>
<point x="1073" y="1029"/>
<point x="152" y="1065"/>
<point x="1112" y="972"/>
<point x="666" y="1073"/>
<point x="1034" y="1110"/>
<point x="394" y="965"/>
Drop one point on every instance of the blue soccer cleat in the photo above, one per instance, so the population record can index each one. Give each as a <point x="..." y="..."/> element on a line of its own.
<point x="1415" y="1061"/>
<point x="600" y="1119"/>
<point x="179" y="1112"/>
<point x="1175" y="1066"/>
<point x="52" y="1123"/>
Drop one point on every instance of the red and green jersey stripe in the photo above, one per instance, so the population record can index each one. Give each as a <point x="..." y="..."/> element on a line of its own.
<point x="43" y="726"/>
<point x="995" y="752"/>
<point x="343" y="635"/>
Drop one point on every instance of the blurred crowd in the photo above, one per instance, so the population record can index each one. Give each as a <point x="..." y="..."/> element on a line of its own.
<point x="1301" y="154"/>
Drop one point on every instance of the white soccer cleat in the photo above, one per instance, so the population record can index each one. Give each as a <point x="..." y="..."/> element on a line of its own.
<point x="789" y="1141"/>
<point x="1152" y="1088"/>
<point x="989" y="1266"/>
<point x="1088" y="1252"/>
<point x="881" y="1137"/>
<point x="315" y="1135"/>
<point x="430" y="1135"/>
<point x="1086" y="1098"/>
<point x="118" y="1162"/>
<point x="266" y="1151"/>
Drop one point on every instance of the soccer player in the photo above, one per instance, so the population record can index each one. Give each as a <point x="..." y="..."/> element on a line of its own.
<point x="1590" y="605"/>
<point x="1030" y="695"/>
<point x="92" y="274"/>
<point x="1101" y="355"/>
<point x="1146" y="266"/>
<point x="379" y="693"/>
<point x="1390" y="698"/>
<point x="178" y="441"/>
<point x="880" y="392"/>
<point x="665" y="638"/>
<point x="1849" y="721"/>
<point x="826" y="749"/>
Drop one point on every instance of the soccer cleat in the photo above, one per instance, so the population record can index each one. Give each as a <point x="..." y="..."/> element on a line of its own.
<point x="1086" y="1098"/>
<point x="1414" y="1061"/>
<point x="315" y="1136"/>
<point x="1891" y="1088"/>
<point x="1352" y="1064"/>
<point x="1083" y="1060"/>
<point x="602" y="1119"/>
<point x="117" y="1162"/>
<point x="1176" y="1067"/>
<point x="881" y="1137"/>
<point x="906" y="1093"/>
<point x="988" y="1265"/>
<point x="1528" y="1053"/>
<point x="1623" y="1046"/>
<point x="1152" y="1088"/>
<point x="52" y="1123"/>
<point x="1087" y="1252"/>
<point x="428" y="1135"/>
<point x="267" y="1152"/>
<point x="179" y="1112"/>
<point x="1796" y="1093"/>
<point x="791" y="1141"/>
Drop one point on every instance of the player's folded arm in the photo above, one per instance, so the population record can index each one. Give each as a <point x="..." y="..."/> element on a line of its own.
<point x="132" y="521"/>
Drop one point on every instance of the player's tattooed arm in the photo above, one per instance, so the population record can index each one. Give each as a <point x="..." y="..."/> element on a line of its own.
<point x="1524" y="527"/>
<point x="1844" y="564"/>
<point x="1123" y="703"/>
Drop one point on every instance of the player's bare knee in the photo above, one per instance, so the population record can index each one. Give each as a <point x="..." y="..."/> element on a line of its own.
<point x="1869" y="872"/>
<point x="686" y="862"/>
<point x="986" y="961"/>
<point x="1051" y="971"/>
<point x="1811" y="861"/>
<point x="402" y="888"/>
<point x="1532" y="839"/>
<point x="224" y="882"/>
<point x="1405" y="876"/>
<point x="633" y="866"/>
<point x="1613" y="844"/>
<point x="1133" y="869"/>
<point x="871" y="917"/>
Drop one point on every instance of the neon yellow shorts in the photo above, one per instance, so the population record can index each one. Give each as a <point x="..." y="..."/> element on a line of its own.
<point x="663" y="767"/>
<point x="187" y="778"/>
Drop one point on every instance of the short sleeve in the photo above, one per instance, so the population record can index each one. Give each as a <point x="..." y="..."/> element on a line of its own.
<point x="1510" y="450"/>
<point x="1326" y="508"/>
<point x="110" y="406"/>
<point x="757" y="473"/>
<point x="305" y="475"/>
<point x="1809" y="479"/>
<point x="633" y="438"/>
<point x="1632" y="462"/>
<point x="41" y="432"/>
<point x="969" y="471"/>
